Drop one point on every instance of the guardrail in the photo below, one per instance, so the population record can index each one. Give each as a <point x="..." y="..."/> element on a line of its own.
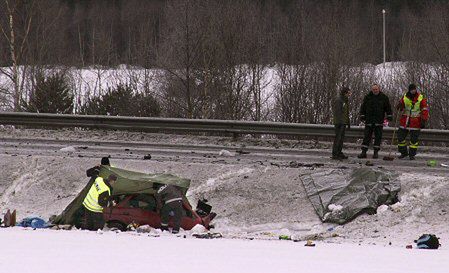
<point x="195" y="125"/>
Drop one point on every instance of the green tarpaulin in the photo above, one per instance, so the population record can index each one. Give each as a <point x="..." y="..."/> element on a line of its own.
<point x="338" y="196"/>
<point x="128" y="182"/>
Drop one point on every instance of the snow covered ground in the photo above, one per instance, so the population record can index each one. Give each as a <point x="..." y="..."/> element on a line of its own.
<point x="26" y="250"/>
<point x="256" y="201"/>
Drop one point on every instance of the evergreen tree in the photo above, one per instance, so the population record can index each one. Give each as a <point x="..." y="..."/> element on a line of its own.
<point x="51" y="94"/>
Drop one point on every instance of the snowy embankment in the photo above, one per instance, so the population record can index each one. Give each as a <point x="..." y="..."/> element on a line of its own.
<point x="80" y="251"/>
<point x="256" y="201"/>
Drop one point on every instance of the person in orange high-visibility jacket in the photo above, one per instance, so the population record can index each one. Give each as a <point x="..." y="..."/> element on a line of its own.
<point x="415" y="114"/>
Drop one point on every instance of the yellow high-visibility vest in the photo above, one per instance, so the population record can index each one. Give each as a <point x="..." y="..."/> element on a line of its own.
<point x="411" y="110"/>
<point x="91" y="200"/>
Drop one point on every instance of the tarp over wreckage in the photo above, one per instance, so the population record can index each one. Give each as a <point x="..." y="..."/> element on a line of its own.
<point x="339" y="196"/>
<point x="128" y="182"/>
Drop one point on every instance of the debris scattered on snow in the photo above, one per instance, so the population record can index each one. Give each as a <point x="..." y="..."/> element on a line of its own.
<point x="62" y="227"/>
<point x="68" y="149"/>
<point x="432" y="163"/>
<point x="294" y="164"/>
<point x="144" y="229"/>
<point x="147" y="157"/>
<point x="208" y="235"/>
<point x="310" y="243"/>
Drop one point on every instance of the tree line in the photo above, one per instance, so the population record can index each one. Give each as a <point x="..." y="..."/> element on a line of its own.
<point x="279" y="60"/>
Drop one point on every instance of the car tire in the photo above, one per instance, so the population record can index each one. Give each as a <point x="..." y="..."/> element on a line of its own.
<point x="118" y="225"/>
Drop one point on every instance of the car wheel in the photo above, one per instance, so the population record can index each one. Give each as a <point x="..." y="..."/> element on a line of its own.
<point x="118" y="225"/>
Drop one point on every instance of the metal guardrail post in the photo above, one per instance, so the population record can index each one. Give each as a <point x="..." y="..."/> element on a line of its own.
<point x="236" y="128"/>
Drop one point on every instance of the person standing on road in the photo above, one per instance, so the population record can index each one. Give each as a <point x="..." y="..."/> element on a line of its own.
<point x="415" y="114"/>
<point x="375" y="107"/>
<point x="341" y="121"/>
<point x="96" y="199"/>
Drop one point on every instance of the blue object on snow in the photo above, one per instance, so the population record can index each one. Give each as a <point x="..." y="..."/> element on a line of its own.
<point x="34" y="222"/>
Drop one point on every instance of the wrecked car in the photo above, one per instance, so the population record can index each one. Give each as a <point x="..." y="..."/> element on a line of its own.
<point x="133" y="194"/>
<point x="141" y="209"/>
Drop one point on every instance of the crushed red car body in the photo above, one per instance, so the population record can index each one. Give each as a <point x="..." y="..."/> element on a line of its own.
<point x="141" y="209"/>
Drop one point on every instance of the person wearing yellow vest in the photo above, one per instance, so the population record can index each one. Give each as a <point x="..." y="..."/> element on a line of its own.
<point x="415" y="114"/>
<point x="96" y="199"/>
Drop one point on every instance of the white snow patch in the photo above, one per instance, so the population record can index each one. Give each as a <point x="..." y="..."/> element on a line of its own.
<point x="381" y="209"/>
<point x="225" y="153"/>
<point x="68" y="149"/>
<point x="213" y="182"/>
<point x="335" y="208"/>
<point x="198" y="229"/>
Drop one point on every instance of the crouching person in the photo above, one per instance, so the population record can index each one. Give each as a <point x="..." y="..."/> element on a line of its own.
<point x="170" y="202"/>
<point x="96" y="199"/>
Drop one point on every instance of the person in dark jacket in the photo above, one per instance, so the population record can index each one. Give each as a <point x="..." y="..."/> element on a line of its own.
<point x="170" y="201"/>
<point x="375" y="108"/>
<point x="341" y="121"/>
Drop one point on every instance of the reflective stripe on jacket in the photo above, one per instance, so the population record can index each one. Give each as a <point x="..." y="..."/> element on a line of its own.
<point x="169" y="193"/>
<point x="91" y="200"/>
<point x="415" y="110"/>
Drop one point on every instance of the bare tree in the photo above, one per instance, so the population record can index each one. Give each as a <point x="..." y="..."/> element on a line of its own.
<point x="180" y="53"/>
<point x="15" y="27"/>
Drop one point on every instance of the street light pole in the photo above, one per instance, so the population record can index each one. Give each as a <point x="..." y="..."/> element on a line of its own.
<point x="383" y="15"/>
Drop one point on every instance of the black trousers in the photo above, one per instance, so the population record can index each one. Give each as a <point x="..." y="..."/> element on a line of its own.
<point x="339" y="139"/>
<point x="368" y="135"/>
<point x="174" y="208"/>
<point x="414" y="141"/>
<point x="92" y="220"/>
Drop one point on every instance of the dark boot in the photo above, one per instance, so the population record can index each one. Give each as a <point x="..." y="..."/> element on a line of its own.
<point x="412" y="157"/>
<point x="403" y="150"/>
<point x="376" y="154"/>
<point x="402" y="156"/>
<point x="164" y="228"/>
<point x="362" y="154"/>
